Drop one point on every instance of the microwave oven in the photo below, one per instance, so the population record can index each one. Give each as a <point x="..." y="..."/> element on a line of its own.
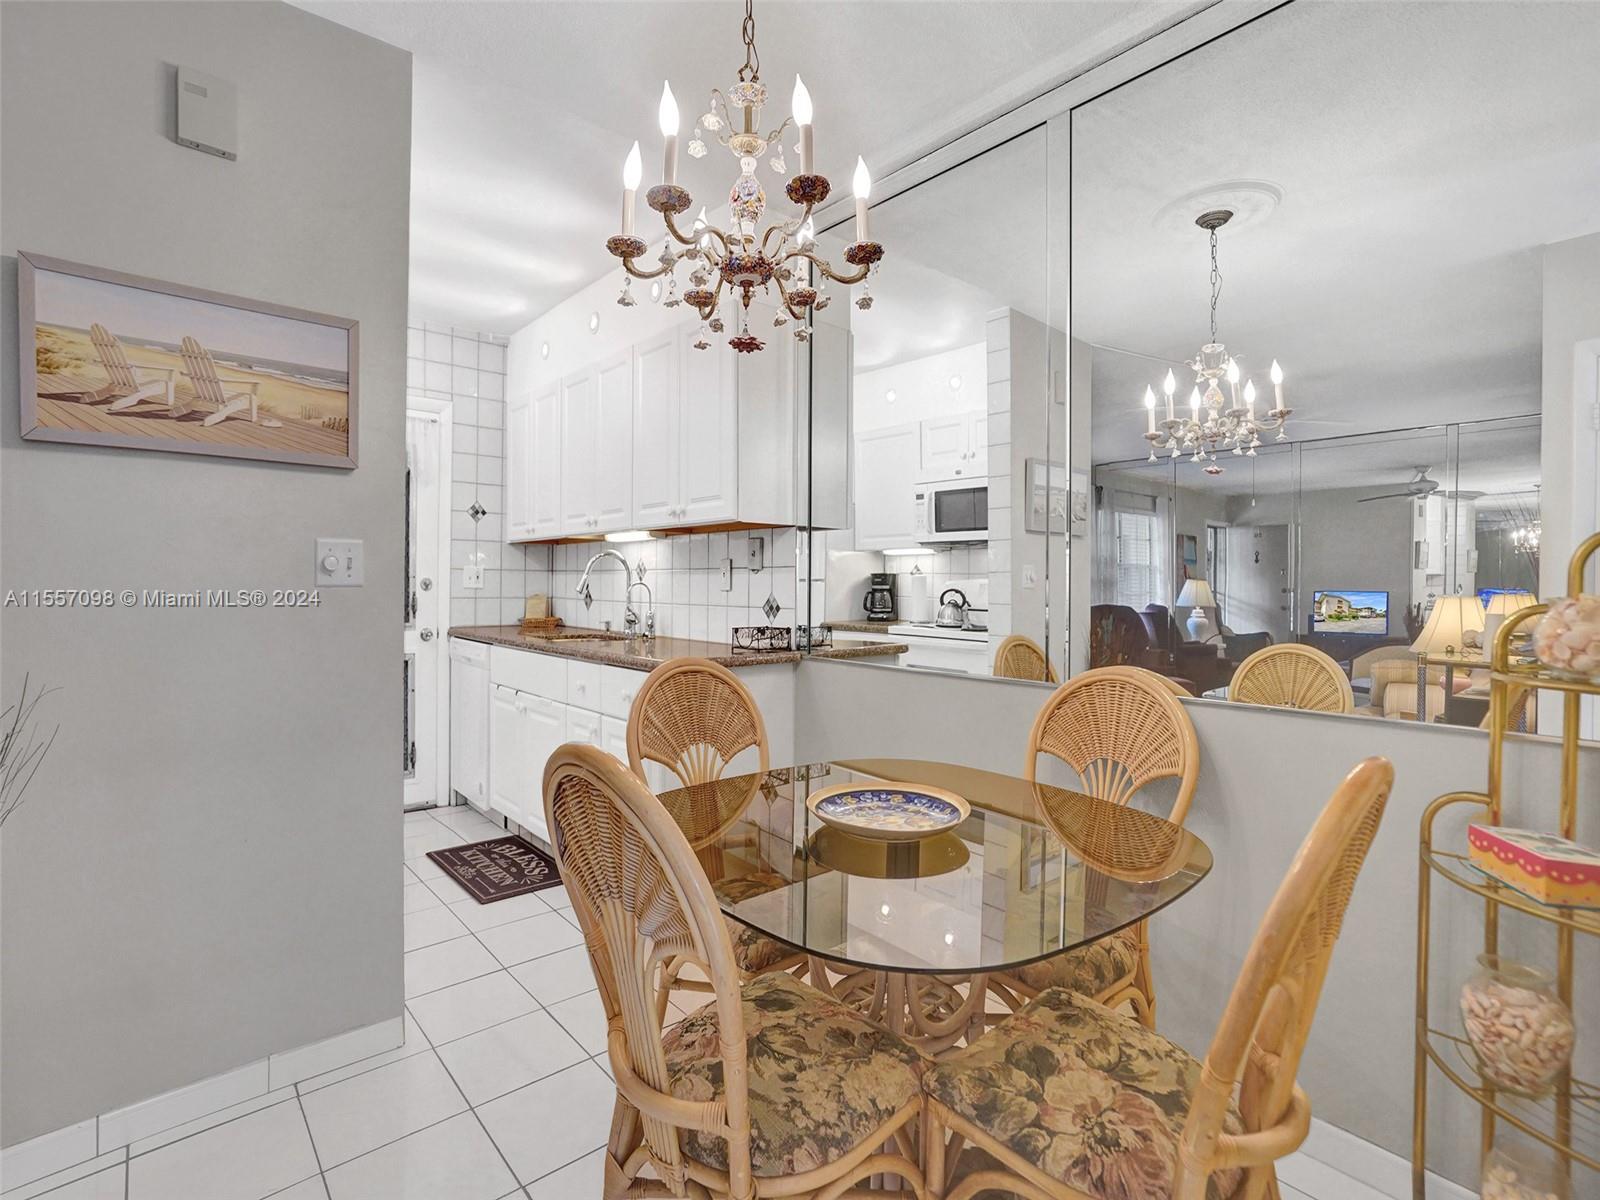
<point x="949" y="511"/>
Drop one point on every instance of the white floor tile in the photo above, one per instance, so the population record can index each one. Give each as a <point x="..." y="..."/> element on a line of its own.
<point x="464" y="817"/>
<point x="477" y="916"/>
<point x="454" y="1012"/>
<point x="453" y="1158"/>
<point x="419" y="842"/>
<point x="415" y="897"/>
<point x="415" y="1043"/>
<point x="584" y="1017"/>
<point x="556" y="897"/>
<point x="446" y="889"/>
<point x="310" y="1189"/>
<point x="55" y="1183"/>
<point x="559" y="976"/>
<point x="424" y="869"/>
<point x="374" y="1109"/>
<point x="552" y="1122"/>
<point x="167" y="1136"/>
<point x="504" y="1057"/>
<point x="421" y="819"/>
<point x="582" y="1178"/>
<point x="108" y="1184"/>
<point x="1318" y="1179"/>
<point x="434" y="967"/>
<point x="530" y="937"/>
<point x="246" y="1159"/>
<point x="430" y="926"/>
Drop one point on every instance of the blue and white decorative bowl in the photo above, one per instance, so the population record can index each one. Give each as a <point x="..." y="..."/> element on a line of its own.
<point x="890" y="812"/>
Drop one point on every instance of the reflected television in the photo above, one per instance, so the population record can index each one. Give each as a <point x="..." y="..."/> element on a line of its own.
<point x="1350" y="610"/>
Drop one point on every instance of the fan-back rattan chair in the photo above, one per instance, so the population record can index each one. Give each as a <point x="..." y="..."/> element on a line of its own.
<point x="1292" y="676"/>
<point x="694" y="717"/>
<point x="771" y="1089"/>
<point x="1020" y="657"/>
<point x="1118" y="728"/>
<point x="1179" y="1134"/>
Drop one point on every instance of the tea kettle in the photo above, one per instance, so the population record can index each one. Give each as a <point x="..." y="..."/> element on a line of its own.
<point x="952" y="613"/>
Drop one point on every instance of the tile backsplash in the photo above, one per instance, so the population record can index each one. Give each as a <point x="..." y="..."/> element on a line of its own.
<point x="684" y="577"/>
<point x="468" y="369"/>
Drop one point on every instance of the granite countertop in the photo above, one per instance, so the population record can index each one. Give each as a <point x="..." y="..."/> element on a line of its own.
<point x="858" y="626"/>
<point x="641" y="655"/>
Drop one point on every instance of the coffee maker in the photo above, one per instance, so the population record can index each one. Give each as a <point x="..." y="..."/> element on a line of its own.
<point x="879" y="600"/>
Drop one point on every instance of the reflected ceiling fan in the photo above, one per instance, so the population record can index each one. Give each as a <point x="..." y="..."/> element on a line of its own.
<point x="1420" y="485"/>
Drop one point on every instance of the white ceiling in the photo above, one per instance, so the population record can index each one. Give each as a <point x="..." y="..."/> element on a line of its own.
<point x="1424" y="153"/>
<point x="523" y="113"/>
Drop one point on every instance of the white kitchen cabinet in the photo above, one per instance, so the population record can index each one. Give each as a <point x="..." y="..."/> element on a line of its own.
<point x="708" y="432"/>
<point x="519" y="449"/>
<point x="885" y="475"/>
<point x="597" y="447"/>
<point x="614" y="738"/>
<point x="469" y="721"/>
<point x="954" y="447"/>
<point x="580" y="423"/>
<point x="656" y="464"/>
<point x="509" y="756"/>
<point x="544" y="465"/>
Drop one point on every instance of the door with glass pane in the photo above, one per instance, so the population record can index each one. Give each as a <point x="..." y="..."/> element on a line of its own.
<point x="424" y="744"/>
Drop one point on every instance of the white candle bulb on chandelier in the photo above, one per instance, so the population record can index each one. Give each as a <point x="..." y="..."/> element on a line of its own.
<point x="1250" y="398"/>
<point x="1169" y="385"/>
<point x="1194" y="401"/>
<point x="668" y="114"/>
<point x="1233" y="382"/>
<point x="1277" y="384"/>
<point x="1150" y="408"/>
<point x="802" y="117"/>
<point x="862" y="184"/>
<point x="632" y="169"/>
<point x="806" y="234"/>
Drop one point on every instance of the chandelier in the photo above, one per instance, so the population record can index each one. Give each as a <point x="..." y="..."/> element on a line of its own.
<point x="1526" y="537"/>
<point x="1214" y="422"/>
<point x="736" y="261"/>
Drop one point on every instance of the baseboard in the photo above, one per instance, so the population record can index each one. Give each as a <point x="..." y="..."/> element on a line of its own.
<point x="1368" y="1163"/>
<point x="64" y="1148"/>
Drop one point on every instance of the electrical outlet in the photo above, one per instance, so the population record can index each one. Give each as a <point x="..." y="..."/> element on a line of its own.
<point x="726" y="570"/>
<point x="1030" y="575"/>
<point x="757" y="550"/>
<point x="472" y="576"/>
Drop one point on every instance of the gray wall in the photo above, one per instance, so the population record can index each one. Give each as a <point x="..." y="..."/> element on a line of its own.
<point x="204" y="873"/>
<point x="1265" y="773"/>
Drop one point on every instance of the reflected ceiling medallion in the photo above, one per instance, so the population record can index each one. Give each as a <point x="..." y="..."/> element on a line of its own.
<point x="1214" y="422"/>
<point x="742" y="258"/>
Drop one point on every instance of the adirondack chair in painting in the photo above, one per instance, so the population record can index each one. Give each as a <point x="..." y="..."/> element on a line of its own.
<point x="125" y="384"/>
<point x="226" y="396"/>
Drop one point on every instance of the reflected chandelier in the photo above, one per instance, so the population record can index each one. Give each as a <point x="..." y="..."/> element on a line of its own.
<point x="1214" y="423"/>
<point x="738" y="260"/>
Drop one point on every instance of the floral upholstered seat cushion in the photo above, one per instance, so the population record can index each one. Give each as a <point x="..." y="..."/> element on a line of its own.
<point x="823" y="1080"/>
<point x="753" y="951"/>
<point x="1088" y="1097"/>
<point x="1089" y="969"/>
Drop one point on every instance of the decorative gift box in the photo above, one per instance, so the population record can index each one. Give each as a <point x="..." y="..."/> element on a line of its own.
<point x="1550" y="869"/>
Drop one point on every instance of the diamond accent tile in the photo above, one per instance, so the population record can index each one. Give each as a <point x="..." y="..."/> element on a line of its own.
<point x="588" y="600"/>
<point x="477" y="512"/>
<point x="772" y="608"/>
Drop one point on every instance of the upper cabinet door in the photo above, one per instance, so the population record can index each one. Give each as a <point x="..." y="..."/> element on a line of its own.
<point x="519" y="452"/>
<point x="656" y="463"/>
<point x="947" y="447"/>
<point x="580" y="425"/>
<point x="978" y="451"/>
<point x="885" y="479"/>
<point x="544" y="466"/>
<point x="708" y="449"/>
<point x="611" y="468"/>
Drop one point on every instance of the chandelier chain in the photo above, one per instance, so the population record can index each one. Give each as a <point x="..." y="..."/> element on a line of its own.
<point x="1216" y="285"/>
<point x="752" y="58"/>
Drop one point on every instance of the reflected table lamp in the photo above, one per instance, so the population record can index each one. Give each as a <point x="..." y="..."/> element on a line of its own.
<point x="1501" y="606"/>
<point x="1196" y="596"/>
<point x="1450" y="620"/>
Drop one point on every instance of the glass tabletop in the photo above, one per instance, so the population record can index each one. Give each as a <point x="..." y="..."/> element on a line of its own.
<point x="1003" y="888"/>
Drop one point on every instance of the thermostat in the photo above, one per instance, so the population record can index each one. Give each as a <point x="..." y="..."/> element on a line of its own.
<point x="208" y="114"/>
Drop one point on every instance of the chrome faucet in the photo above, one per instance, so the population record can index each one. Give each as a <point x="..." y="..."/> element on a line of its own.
<point x="630" y="616"/>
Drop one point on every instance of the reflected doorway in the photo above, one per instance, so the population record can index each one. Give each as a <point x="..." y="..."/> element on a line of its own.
<point x="1255" y="580"/>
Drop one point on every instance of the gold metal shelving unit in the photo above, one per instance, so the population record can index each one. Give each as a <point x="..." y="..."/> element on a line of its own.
<point x="1568" y="1119"/>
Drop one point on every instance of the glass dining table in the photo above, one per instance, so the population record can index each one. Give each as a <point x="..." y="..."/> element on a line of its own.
<point x="910" y="931"/>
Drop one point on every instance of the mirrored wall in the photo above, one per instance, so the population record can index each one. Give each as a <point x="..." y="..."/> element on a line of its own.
<point x="1169" y="382"/>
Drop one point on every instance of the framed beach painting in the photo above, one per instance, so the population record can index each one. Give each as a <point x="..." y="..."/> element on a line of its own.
<point x="119" y="360"/>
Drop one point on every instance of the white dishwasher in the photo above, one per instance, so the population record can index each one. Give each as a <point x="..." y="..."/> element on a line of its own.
<point x="469" y="721"/>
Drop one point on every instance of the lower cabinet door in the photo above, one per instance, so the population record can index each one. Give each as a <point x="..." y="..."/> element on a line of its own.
<point x="614" y="738"/>
<point x="508" y="753"/>
<point x="545" y="722"/>
<point x="583" y="726"/>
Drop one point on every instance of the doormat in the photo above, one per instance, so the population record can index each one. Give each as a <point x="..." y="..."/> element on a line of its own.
<point x="498" y="868"/>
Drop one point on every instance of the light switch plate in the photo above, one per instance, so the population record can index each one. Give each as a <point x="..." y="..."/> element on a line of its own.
<point x="757" y="550"/>
<point x="472" y="576"/>
<point x="725" y="568"/>
<point x="340" y="562"/>
<point x="1030" y="575"/>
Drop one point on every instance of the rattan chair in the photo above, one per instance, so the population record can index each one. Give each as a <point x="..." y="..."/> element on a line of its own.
<point x="1292" y="676"/>
<point x="1019" y="657"/>
<point x="1118" y="728"/>
<point x="1179" y="1133"/>
<point x="698" y="1114"/>
<point x="694" y="717"/>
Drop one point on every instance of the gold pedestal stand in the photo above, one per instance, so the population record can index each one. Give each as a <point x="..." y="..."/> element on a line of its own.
<point x="1567" y="1120"/>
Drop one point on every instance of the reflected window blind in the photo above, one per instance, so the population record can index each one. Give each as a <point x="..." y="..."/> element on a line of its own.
<point x="1135" y="523"/>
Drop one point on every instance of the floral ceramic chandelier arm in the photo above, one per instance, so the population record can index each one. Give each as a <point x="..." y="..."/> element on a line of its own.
<point x="856" y="276"/>
<point x="627" y="265"/>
